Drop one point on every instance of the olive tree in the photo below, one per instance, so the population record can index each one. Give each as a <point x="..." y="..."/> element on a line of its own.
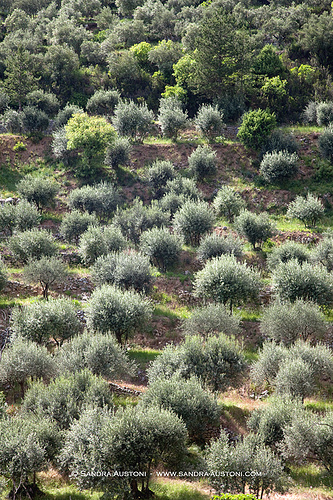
<point x="117" y="311"/>
<point x="64" y="398"/>
<point x="209" y="121"/>
<point x="32" y="244"/>
<point x="22" y="216"/>
<point x="187" y="399"/>
<point x="42" y="321"/>
<point x="103" y="102"/>
<point x="287" y="322"/>
<point x="118" y="153"/>
<point x="309" y="210"/>
<point x="162" y="247"/>
<point x="39" y="190"/>
<point x="46" y="271"/>
<point x="286" y="252"/>
<point x="213" y="245"/>
<point x="228" y="203"/>
<point x="326" y="142"/>
<point x="127" y="269"/>
<point x="3" y="275"/>
<point x="292" y="281"/>
<point x="102" y="199"/>
<point x="323" y="253"/>
<point x="132" y="120"/>
<point x="193" y="220"/>
<point x="211" y="319"/>
<point x="278" y="166"/>
<point x="171" y="117"/>
<point x="158" y="174"/>
<point x="202" y="162"/>
<point x="98" y="352"/>
<point x="255" y="228"/>
<point x="225" y="280"/>
<point x="216" y="361"/>
<point x="76" y="223"/>
<point x="23" y="359"/>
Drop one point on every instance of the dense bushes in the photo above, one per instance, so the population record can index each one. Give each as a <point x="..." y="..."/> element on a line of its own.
<point x="256" y="127"/>
<point x="278" y="166"/>
<point x="214" y="245"/>
<point x="102" y="198"/>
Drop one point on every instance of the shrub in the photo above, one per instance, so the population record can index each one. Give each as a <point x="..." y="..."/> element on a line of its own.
<point x="326" y="143"/>
<point x="158" y="174"/>
<point x="171" y="117"/>
<point x="310" y="112"/>
<point x="286" y="252"/>
<point x="26" y="216"/>
<point x="309" y="282"/>
<point x="132" y="120"/>
<point x="117" y="311"/>
<point x="250" y="454"/>
<point x="202" y="162"/>
<point x="193" y="220"/>
<point x="32" y="244"/>
<point x="216" y="362"/>
<point x="324" y="113"/>
<point x="228" y="203"/>
<point x="269" y="423"/>
<point x="41" y="321"/>
<point x="211" y="319"/>
<point x="183" y="186"/>
<point x="97" y="241"/>
<point x="187" y="399"/>
<point x="309" y="210"/>
<point x="213" y="245"/>
<point x="102" y="198"/>
<point x="66" y="113"/>
<point x="34" y="119"/>
<point x="128" y="269"/>
<point x="139" y="218"/>
<point x="256" y="228"/>
<point x="46" y="271"/>
<point x="278" y="166"/>
<point x="171" y="202"/>
<point x="7" y="218"/>
<point x="46" y="102"/>
<point x="99" y="353"/>
<point x="323" y="253"/>
<point x="309" y="436"/>
<point x="287" y="322"/>
<point x="23" y="359"/>
<point x="38" y="190"/>
<point x="209" y="121"/>
<point x="64" y="398"/>
<point x="118" y="153"/>
<point x="3" y="275"/>
<point x="225" y="280"/>
<point x="13" y="121"/>
<point x="256" y="127"/>
<point x="162" y="247"/>
<point x="76" y="223"/>
<point x="59" y="145"/>
<point x="270" y="358"/>
<point x="103" y="102"/>
<point x="279" y="141"/>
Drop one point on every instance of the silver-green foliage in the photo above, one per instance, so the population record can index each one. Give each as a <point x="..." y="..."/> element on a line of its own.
<point x="3" y="275"/>
<point x="250" y="454"/>
<point x="97" y="241"/>
<point x="287" y="322"/>
<point x="158" y="174"/>
<point x="309" y="210"/>
<point x="41" y="321"/>
<point x="22" y="216"/>
<point x="76" y="223"/>
<point x="32" y="244"/>
<point x="132" y="120"/>
<point x="46" y="271"/>
<point x="162" y="247"/>
<point x="292" y="281"/>
<point x="98" y="352"/>
<point x="326" y="142"/>
<point x="324" y="113"/>
<point x="211" y="319"/>
<point x="127" y="269"/>
<point x="193" y="220"/>
<point x="187" y="399"/>
<point x="101" y="199"/>
<point x="202" y="162"/>
<point x="23" y="359"/>
<point x="286" y="252"/>
<point x="216" y="361"/>
<point x="103" y="102"/>
<point x="117" y="311"/>
<point x="255" y="228"/>
<point x="278" y="166"/>
<point x="171" y="117"/>
<point x="118" y="153"/>
<point x="64" y="398"/>
<point x="39" y="190"/>
<point x="228" y="203"/>
<point x="209" y="121"/>
<point x="213" y="245"/>
<point x="323" y="253"/>
<point x="225" y="280"/>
